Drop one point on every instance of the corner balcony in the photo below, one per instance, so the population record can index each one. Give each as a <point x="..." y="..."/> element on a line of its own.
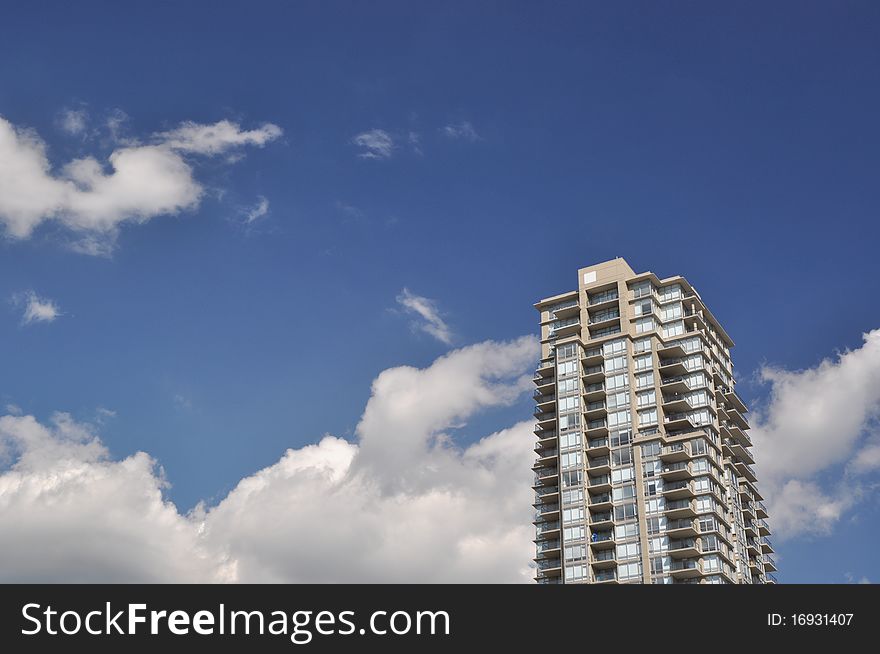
<point x="546" y="494"/>
<point x="675" y="453"/>
<point x="746" y="471"/>
<point x="748" y="490"/>
<point x="760" y="510"/>
<point x="547" y="529"/>
<point x="686" y="528"/>
<point x="733" y="432"/>
<point x="546" y="401"/>
<point x="675" y="384"/>
<point x="543" y="382"/>
<point x="547" y="548"/>
<point x="675" y="403"/>
<point x="763" y="528"/>
<point x="737" y="418"/>
<point x="547" y="512"/>
<point x="604" y="318"/>
<point x="676" y="471"/>
<point x="769" y="564"/>
<point x="686" y="569"/>
<point x="568" y="311"/>
<point x="733" y="400"/>
<point x="737" y="451"/>
<point x="549" y="567"/>
<point x="673" y="367"/>
<point x="678" y="421"/>
<point x="678" y="490"/>
<point x="671" y="351"/>
<point x="684" y="549"/>
<point x="680" y="509"/>
<point x="545" y="418"/>
<point x="546" y="477"/>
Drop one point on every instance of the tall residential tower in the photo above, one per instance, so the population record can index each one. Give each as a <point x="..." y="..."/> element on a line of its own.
<point x="644" y="468"/>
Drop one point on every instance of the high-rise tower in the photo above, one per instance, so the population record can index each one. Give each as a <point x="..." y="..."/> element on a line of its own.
<point x="644" y="468"/>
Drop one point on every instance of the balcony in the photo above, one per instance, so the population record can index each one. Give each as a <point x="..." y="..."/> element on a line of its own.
<point x="671" y="351"/>
<point x="547" y="453"/>
<point x="748" y="490"/>
<point x="678" y="490"/>
<point x="686" y="548"/>
<point x="597" y="300"/>
<point x="568" y="310"/>
<point x="604" y="559"/>
<point x="746" y="471"/>
<point x="546" y="547"/>
<point x="677" y="452"/>
<point x="604" y="318"/>
<point x="737" y="451"/>
<point x="733" y="432"/>
<point x="737" y="418"/>
<point x="546" y="366"/>
<point x="594" y="392"/>
<point x="678" y="421"/>
<point x="543" y="528"/>
<point x="600" y="484"/>
<point x="599" y="465"/>
<point x="763" y="528"/>
<point x="597" y="446"/>
<point x="769" y="564"/>
<point x="760" y="510"/>
<point x="562" y="328"/>
<point x="675" y="384"/>
<point x="733" y="400"/>
<point x="673" y="367"/>
<point x="600" y="502"/>
<point x="544" y="394"/>
<point x="681" y="509"/>
<point x="544" y="493"/>
<point x="592" y="357"/>
<point x="548" y="382"/>
<point x="601" y="519"/>
<point x="547" y="510"/>
<point x="601" y="540"/>
<point x="549" y="567"/>
<point x="685" y="569"/>
<point x="681" y="528"/>
<point x="597" y="427"/>
<point x="605" y="577"/>
<point x="595" y="410"/>
<point x="675" y="403"/>
<point x="676" y="471"/>
<point x="593" y="374"/>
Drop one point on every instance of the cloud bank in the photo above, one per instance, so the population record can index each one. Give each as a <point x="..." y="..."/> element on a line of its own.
<point x="404" y="503"/>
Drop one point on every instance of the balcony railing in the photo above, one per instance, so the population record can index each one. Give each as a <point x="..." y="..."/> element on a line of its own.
<point x="593" y="352"/>
<point x="599" y="481"/>
<point x="548" y="453"/>
<point x="595" y="406"/>
<point x="684" y="564"/>
<point x="601" y="536"/>
<point x="599" y="462"/>
<point x="547" y="564"/>
<point x="546" y="508"/>
<point x="546" y="545"/>
<point x="592" y="388"/>
<point x="544" y="527"/>
<point x="546" y="490"/>
<point x="605" y="555"/>
<point x="605" y="296"/>
<point x="597" y="442"/>
<point x="600" y="499"/>
<point x="547" y="363"/>
<point x="592" y="370"/>
<point x="544" y="397"/>
<point x="605" y="575"/>
<point x="604" y="516"/>
<point x="604" y="316"/>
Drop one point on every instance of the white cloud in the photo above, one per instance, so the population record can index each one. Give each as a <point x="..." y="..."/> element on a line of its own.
<point x="819" y="422"/>
<point x="376" y="144"/>
<point x="73" y="121"/>
<point x="36" y="308"/>
<point x="463" y="131"/>
<point x="430" y="321"/>
<point x="143" y="181"/>
<point x="260" y="209"/>
<point x="405" y="503"/>
<point x="217" y="138"/>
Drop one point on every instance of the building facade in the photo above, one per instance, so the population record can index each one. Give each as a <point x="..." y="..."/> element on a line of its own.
<point x="643" y="471"/>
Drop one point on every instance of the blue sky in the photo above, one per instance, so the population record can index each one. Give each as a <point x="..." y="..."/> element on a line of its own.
<point x="736" y="146"/>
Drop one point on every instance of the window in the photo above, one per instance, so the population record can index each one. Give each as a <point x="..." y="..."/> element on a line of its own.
<point x="614" y="347"/>
<point x="623" y="493"/>
<point x="645" y="379"/>
<point x="572" y="478"/>
<point x="622" y="456"/>
<point x="627" y="551"/>
<point x="643" y="308"/>
<point x="576" y="553"/>
<point x="642" y="362"/>
<point x="644" y="325"/>
<point x="629" y="570"/>
<point x="619" y="418"/>
<point x="651" y="449"/>
<point x="575" y="514"/>
<point x="615" y="364"/>
<point x="621" y="437"/>
<point x="573" y="496"/>
<point x="625" y="512"/>
<point x="648" y="417"/>
<point x="642" y="345"/>
<point x="566" y="351"/>
<point x="569" y="403"/>
<point x="671" y="312"/>
<point x="565" y="386"/>
<point x="626" y="532"/>
<point x="571" y="459"/>
<point x="646" y="398"/>
<point x="651" y="469"/>
<point x="642" y="289"/>
<point x="578" y="532"/>
<point x="566" y="368"/>
<point x="656" y="525"/>
<point x="660" y="564"/>
<point x="670" y="293"/>
<point x="622" y="475"/>
<point x="570" y="421"/>
<point x="616" y="382"/>
<point x="655" y="505"/>
<point x="616" y="400"/>
<point x="673" y="329"/>
<point x="575" y="572"/>
<point x="571" y="439"/>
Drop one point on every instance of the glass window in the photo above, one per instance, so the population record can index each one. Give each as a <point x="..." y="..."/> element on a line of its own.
<point x="648" y="417"/>
<point x="644" y="325"/>
<point x="645" y="379"/>
<point x="642" y="345"/>
<point x="646" y="398"/>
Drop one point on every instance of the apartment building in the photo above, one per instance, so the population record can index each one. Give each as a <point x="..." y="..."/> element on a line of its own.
<point x="644" y="470"/>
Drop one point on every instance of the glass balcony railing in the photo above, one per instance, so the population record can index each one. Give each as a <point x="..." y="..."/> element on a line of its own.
<point x="684" y="564"/>
<point x="546" y="508"/>
<point x="604" y="516"/>
<point x="604" y="316"/>
<point x="600" y="499"/>
<point x="605" y="575"/>
<point x="546" y="490"/>
<point x="605" y="296"/>
<point x="592" y="388"/>
<point x="599" y="461"/>
<point x="592" y="370"/>
<point x="546" y="545"/>
<point x="597" y="442"/>
<point x="544" y="527"/>
<point x="599" y="481"/>
<point x="605" y="555"/>
<point x="548" y="564"/>
<point x="601" y="536"/>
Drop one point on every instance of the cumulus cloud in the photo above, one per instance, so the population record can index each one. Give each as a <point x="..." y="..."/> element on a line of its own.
<point x="817" y="437"/>
<point x="429" y="320"/>
<point x="405" y="503"/>
<point x="375" y="144"/>
<point x="93" y="199"/>
<point x="463" y="131"/>
<point x="36" y="308"/>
